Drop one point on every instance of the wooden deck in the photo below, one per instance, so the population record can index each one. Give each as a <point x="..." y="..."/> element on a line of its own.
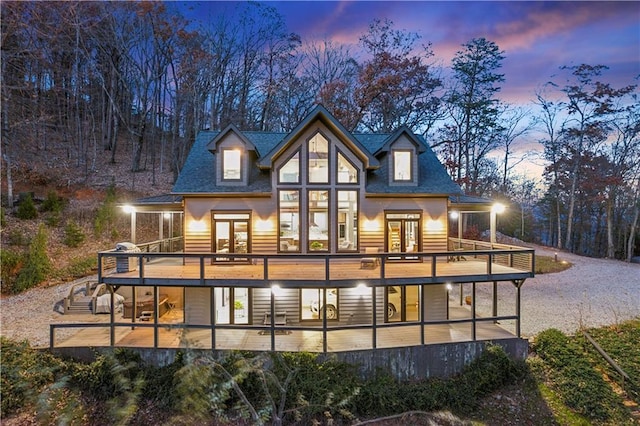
<point x="173" y="334"/>
<point x="311" y="271"/>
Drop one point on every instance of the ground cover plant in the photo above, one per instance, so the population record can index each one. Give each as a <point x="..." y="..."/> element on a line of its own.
<point x="549" y="265"/>
<point x="622" y="343"/>
<point x="567" y="371"/>
<point x="292" y="388"/>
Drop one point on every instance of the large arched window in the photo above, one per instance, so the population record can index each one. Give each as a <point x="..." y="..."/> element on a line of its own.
<point x="318" y="149"/>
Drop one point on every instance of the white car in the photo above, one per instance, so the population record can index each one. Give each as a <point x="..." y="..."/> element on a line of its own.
<point x="332" y="302"/>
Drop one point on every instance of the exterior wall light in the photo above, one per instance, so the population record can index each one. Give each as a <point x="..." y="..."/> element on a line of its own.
<point x="128" y="209"/>
<point x="453" y="214"/>
<point x="498" y="208"/>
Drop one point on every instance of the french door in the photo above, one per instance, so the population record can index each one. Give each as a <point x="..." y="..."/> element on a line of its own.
<point x="231" y="235"/>
<point x="403" y="235"/>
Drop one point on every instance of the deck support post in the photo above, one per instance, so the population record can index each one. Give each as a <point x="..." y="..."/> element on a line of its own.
<point x="374" y="320"/>
<point x="112" y="318"/>
<point x="155" y="316"/>
<point x="473" y="311"/>
<point x="495" y="300"/>
<point x="212" y="316"/>
<point x="273" y="319"/>
<point x="421" y="299"/>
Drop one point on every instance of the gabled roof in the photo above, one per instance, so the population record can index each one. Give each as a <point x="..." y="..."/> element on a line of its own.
<point x="319" y="113"/>
<point x="418" y="142"/>
<point x="198" y="173"/>
<point x="432" y="176"/>
<point x="213" y="145"/>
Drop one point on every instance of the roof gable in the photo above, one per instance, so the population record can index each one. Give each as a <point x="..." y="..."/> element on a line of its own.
<point x="212" y="146"/>
<point x="319" y="113"/>
<point x="404" y="130"/>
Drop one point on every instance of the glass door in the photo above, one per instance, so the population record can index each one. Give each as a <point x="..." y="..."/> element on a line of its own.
<point x="403" y="235"/>
<point x="232" y="305"/>
<point x="403" y="303"/>
<point x="231" y="235"/>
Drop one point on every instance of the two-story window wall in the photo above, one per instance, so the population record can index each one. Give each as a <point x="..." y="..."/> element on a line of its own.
<point x="319" y="213"/>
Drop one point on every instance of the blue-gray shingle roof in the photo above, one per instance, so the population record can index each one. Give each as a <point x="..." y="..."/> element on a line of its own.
<point x="198" y="174"/>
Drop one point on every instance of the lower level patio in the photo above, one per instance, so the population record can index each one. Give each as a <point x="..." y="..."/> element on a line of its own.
<point x="172" y="333"/>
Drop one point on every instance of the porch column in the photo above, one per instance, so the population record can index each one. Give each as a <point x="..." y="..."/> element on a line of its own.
<point x="492" y="225"/>
<point x="133" y="226"/>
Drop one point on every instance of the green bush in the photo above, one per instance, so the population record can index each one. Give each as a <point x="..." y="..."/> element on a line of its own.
<point x="12" y="263"/>
<point x="78" y="267"/>
<point x="580" y="386"/>
<point x="25" y="371"/>
<point x="27" y="208"/>
<point x="3" y="218"/>
<point x="53" y="203"/>
<point x="106" y="214"/>
<point x="73" y="235"/>
<point x="37" y="264"/>
<point x="17" y="238"/>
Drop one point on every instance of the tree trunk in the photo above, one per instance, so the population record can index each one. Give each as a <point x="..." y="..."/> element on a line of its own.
<point x="632" y="232"/>
<point x="611" y="250"/>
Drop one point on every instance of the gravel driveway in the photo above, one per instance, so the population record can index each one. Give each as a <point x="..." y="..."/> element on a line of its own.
<point x="593" y="292"/>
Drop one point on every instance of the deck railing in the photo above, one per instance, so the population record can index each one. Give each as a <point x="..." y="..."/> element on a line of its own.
<point x="483" y="263"/>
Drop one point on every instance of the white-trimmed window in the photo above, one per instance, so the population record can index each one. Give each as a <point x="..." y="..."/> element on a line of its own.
<point x="402" y="170"/>
<point x="232" y="164"/>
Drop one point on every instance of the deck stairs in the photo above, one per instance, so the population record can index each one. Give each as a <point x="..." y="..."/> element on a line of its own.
<point x="82" y="298"/>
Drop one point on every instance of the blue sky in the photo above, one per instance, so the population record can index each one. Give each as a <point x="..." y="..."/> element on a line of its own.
<point x="537" y="37"/>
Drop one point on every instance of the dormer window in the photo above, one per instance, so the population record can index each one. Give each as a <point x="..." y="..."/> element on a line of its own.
<point x="402" y="171"/>
<point x="232" y="164"/>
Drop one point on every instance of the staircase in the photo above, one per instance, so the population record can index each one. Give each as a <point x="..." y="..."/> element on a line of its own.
<point x="81" y="298"/>
<point x="79" y="305"/>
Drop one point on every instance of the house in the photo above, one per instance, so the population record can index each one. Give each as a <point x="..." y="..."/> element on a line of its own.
<point x="315" y="240"/>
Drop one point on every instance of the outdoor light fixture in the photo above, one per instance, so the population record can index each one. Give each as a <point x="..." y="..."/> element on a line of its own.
<point x="449" y="287"/>
<point x="197" y="226"/>
<point x="498" y="208"/>
<point x="264" y="225"/>
<point x="167" y="215"/>
<point x="276" y="290"/>
<point x="128" y="209"/>
<point x="453" y="214"/>
<point x="362" y="289"/>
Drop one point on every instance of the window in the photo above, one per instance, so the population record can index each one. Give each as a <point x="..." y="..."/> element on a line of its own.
<point x="318" y="159"/>
<point x="290" y="171"/>
<point x="347" y="173"/>
<point x="289" y="221"/>
<point x="402" y="166"/>
<point x="231" y="164"/>
<point x="319" y="220"/>
<point x="312" y="301"/>
<point x="347" y="220"/>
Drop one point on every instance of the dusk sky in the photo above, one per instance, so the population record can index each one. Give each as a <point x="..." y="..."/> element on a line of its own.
<point x="537" y="37"/>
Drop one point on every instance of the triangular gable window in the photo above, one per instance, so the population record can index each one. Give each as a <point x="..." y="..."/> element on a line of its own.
<point x="290" y="171"/>
<point x="347" y="172"/>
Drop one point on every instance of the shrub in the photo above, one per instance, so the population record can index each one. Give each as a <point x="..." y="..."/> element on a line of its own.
<point x="78" y="268"/>
<point x="25" y="371"/>
<point x="12" y="263"/>
<point x="27" y="208"/>
<point x="53" y="203"/>
<point x="580" y="386"/>
<point x="17" y="238"/>
<point x="73" y="235"/>
<point x="106" y="214"/>
<point x="37" y="264"/>
<point x="3" y="218"/>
